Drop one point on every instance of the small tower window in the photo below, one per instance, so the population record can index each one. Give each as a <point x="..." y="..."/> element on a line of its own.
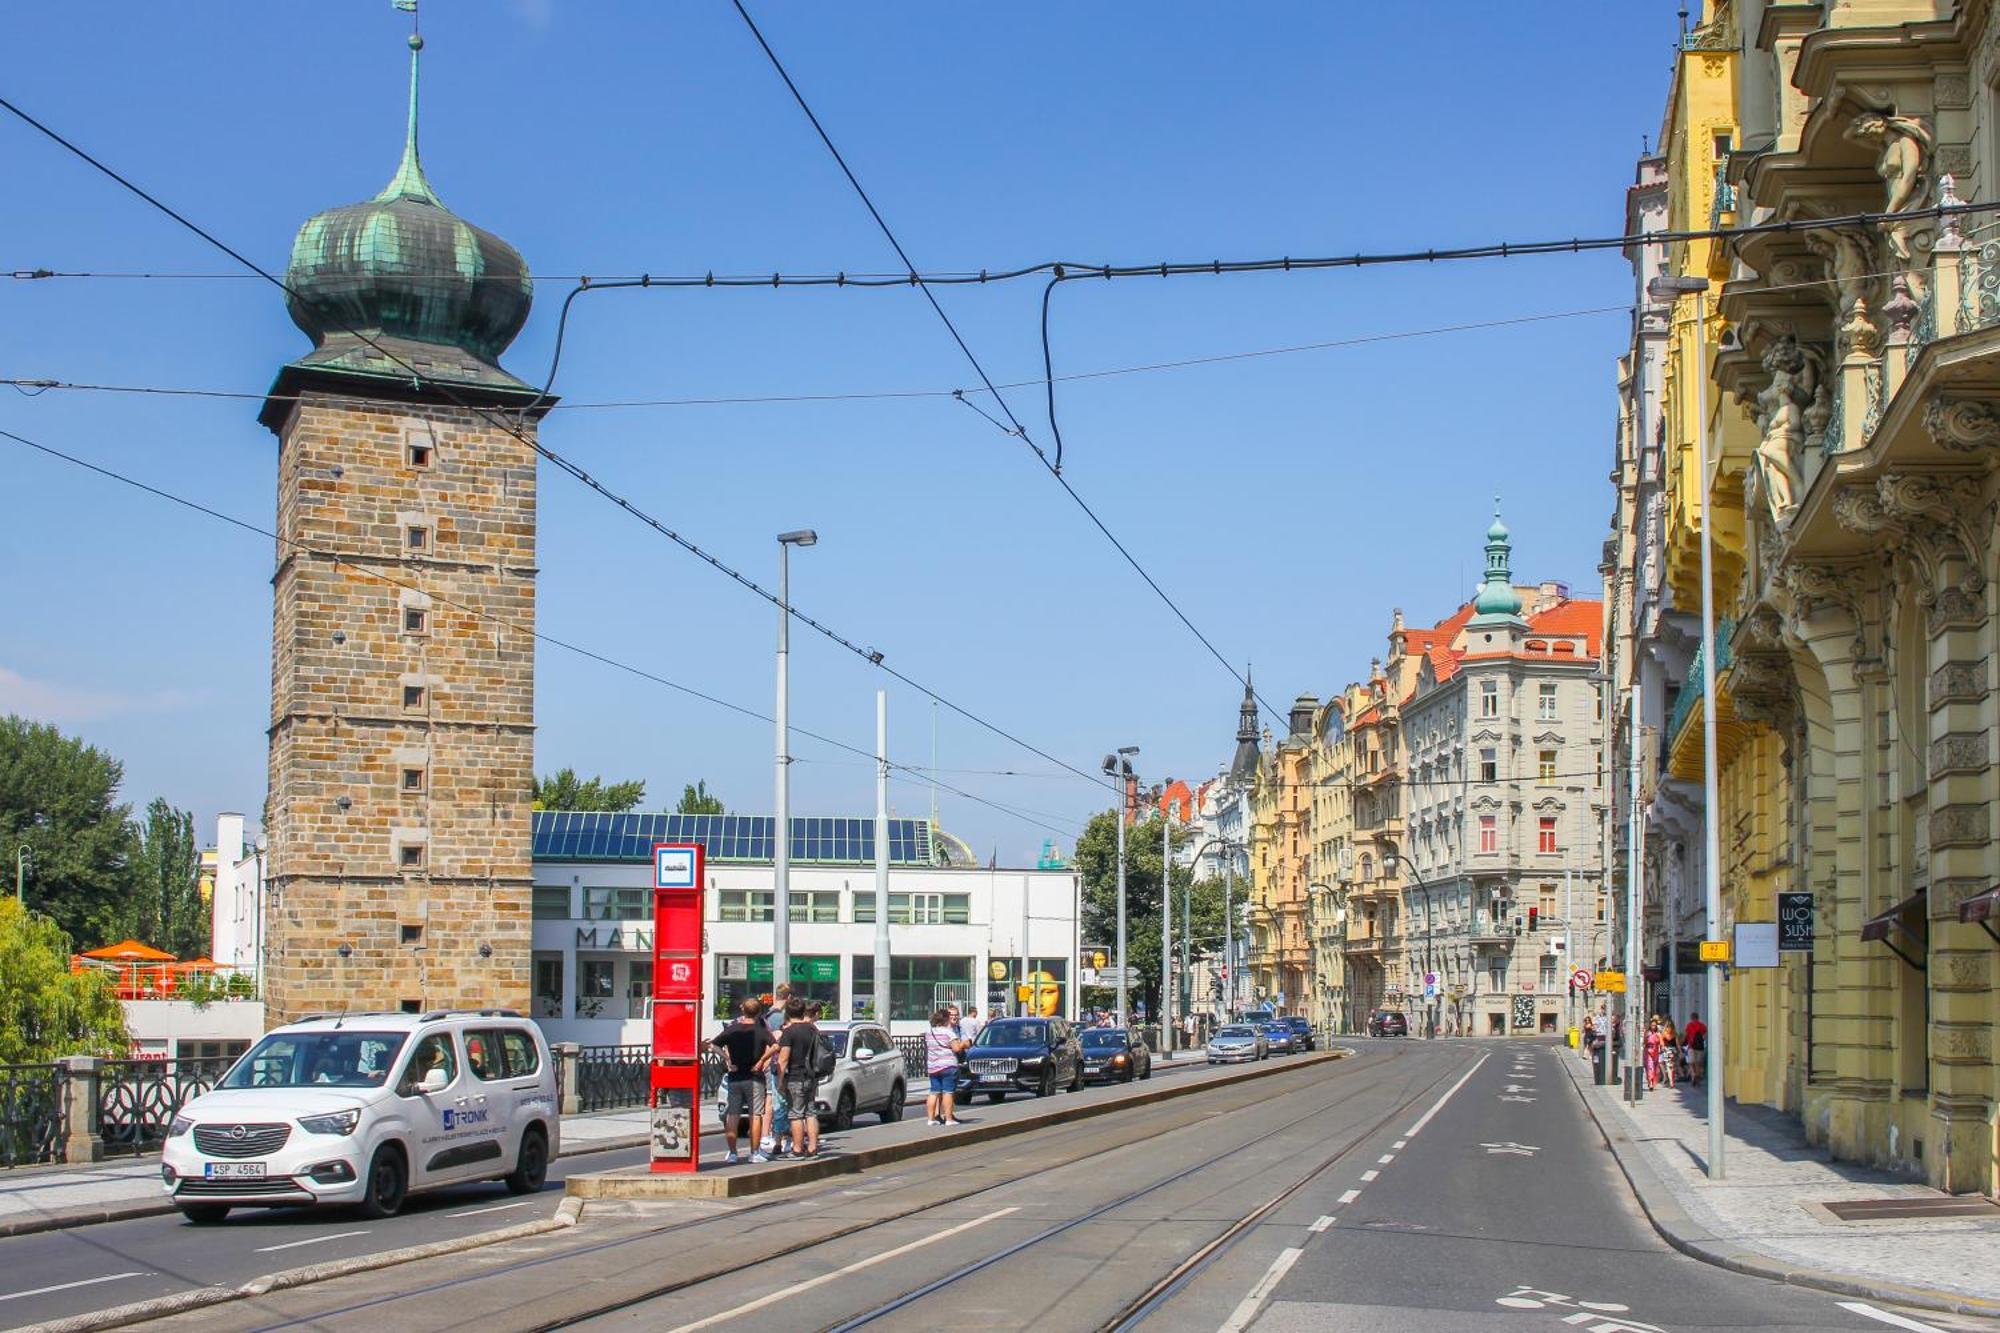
<point x="411" y="856"/>
<point x="411" y="934"/>
<point x="417" y="537"/>
<point x="413" y="696"/>
<point x="413" y="779"/>
<point x="415" y="620"/>
<point x="419" y="452"/>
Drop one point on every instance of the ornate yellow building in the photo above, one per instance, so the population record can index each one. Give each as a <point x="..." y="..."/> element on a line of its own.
<point x="1281" y="967"/>
<point x="1854" y="407"/>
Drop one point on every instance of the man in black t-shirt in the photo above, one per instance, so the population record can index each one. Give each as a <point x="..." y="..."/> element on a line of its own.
<point x="746" y="1044"/>
<point x="796" y="1046"/>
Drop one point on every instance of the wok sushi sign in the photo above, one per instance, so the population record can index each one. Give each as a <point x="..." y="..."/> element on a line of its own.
<point x="1795" y="922"/>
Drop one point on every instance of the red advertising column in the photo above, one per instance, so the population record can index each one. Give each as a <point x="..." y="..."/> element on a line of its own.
<point x="676" y="1071"/>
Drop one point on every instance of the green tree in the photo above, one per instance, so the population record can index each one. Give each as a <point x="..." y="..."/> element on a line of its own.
<point x="695" y="800"/>
<point x="46" y="1011"/>
<point x="563" y="790"/>
<point x="59" y="797"/>
<point x="165" y="905"/>
<point x="1097" y="860"/>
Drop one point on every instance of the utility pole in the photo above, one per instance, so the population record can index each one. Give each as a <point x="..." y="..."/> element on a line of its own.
<point x="1166" y="1014"/>
<point x="781" y="834"/>
<point x="1711" y="801"/>
<point x="1635" y="965"/>
<point x="1119" y="767"/>
<point x="882" y="979"/>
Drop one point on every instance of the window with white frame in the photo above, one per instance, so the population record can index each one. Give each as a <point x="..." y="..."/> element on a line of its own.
<point x="1545" y="703"/>
<point x="1489" y="698"/>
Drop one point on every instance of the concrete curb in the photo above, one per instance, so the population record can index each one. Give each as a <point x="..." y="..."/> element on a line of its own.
<point x="638" y="1183"/>
<point x="567" y="1214"/>
<point x="1678" y="1229"/>
<point x="125" y="1212"/>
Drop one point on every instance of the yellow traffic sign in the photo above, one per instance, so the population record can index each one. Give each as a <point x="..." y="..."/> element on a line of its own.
<point x="1611" y="983"/>
<point x="1715" y="951"/>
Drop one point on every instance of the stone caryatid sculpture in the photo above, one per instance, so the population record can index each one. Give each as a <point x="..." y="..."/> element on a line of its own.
<point x="1795" y="373"/>
<point x="1904" y="146"/>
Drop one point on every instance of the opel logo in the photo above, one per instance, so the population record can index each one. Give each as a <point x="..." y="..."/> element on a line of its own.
<point x="239" y="1131"/>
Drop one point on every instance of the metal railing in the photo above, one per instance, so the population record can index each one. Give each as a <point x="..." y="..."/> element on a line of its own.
<point x="913" y="1057"/>
<point x="614" y="1078"/>
<point x="32" y="1120"/>
<point x="138" y="1099"/>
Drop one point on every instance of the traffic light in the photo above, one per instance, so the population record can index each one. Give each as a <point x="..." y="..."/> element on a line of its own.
<point x="1532" y="912"/>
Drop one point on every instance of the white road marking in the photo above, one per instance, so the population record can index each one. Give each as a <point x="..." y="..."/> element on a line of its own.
<point x="1517" y="1099"/>
<point x="1367" y="1176"/>
<point x="310" y="1240"/>
<point x="1385" y="1159"/>
<point x="1321" y="1225"/>
<point x="1247" y="1309"/>
<point x="1510" y="1147"/>
<point x="496" y="1208"/>
<point x="1894" y="1320"/>
<point x="1438" y="1105"/>
<point x="1400" y="1144"/>
<point x="1350" y="1196"/>
<point x="786" y="1293"/>
<point x="65" y="1286"/>
<point x="1515" y="1087"/>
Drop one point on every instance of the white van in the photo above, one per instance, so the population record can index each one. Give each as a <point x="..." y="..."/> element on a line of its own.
<point x="366" y="1108"/>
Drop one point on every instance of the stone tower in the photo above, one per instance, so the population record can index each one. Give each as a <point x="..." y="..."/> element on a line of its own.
<point x="403" y="652"/>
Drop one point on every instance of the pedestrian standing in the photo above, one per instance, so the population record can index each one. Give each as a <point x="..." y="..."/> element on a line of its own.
<point x="798" y="1046"/>
<point x="1670" y="1052"/>
<point x="744" y="1044"/>
<point x="971" y="1025"/>
<point x="941" y="1050"/>
<point x="1590" y="1037"/>
<point x="1695" y="1037"/>
<point x="1650" y="1047"/>
<point x="779" y="1117"/>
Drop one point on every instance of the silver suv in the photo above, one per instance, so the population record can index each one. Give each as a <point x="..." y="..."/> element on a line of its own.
<point x="366" y="1108"/>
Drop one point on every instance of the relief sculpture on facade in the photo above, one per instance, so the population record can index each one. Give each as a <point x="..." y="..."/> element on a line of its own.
<point x="1903" y="148"/>
<point x="1796" y="375"/>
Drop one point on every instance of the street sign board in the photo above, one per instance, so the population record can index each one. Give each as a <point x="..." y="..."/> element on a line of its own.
<point x="1109" y="977"/>
<point x="1795" y="922"/>
<point x="675" y="1072"/>
<point x="1611" y="983"/>
<point x="1714" y="951"/>
<point x="1580" y="979"/>
<point x="1756" y="944"/>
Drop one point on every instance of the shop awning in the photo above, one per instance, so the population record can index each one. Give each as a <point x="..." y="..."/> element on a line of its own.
<point x="1982" y="907"/>
<point x="1886" y="926"/>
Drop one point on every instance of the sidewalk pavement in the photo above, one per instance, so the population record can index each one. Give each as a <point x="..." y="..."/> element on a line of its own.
<point x="1767" y="1216"/>
<point x="51" y="1197"/>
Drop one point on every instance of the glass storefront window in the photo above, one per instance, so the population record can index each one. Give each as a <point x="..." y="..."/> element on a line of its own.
<point x="916" y="909"/>
<point x="616" y="904"/>
<point x="551" y="903"/>
<point x="918" y="985"/>
<point x="816" y="977"/>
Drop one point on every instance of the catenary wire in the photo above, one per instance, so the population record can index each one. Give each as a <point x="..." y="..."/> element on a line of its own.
<point x="367" y="571"/>
<point x="1053" y="466"/>
<point x="576" y="471"/>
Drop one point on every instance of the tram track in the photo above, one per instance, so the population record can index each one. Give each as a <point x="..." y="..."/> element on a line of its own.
<point x="1138" y="1310"/>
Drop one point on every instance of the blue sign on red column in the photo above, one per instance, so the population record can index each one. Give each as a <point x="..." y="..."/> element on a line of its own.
<point x="676" y="1068"/>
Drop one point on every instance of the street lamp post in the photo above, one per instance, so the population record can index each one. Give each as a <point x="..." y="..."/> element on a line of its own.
<point x="1119" y="767"/>
<point x="1660" y="288"/>
<point x="1166" y="1015"/>
<point x="781" y="840"/>
<point x="1395" y="860"/>
<point x="1227" y="845"/>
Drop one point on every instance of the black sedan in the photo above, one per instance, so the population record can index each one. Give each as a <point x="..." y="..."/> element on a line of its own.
<point x="1113" y="1055"/>
<point x="1035" y="1055"/>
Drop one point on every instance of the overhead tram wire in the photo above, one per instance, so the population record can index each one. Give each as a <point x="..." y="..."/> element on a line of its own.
<point x="576" y="471"/>
<point x="1019" y="431"/>
<point x="368" y="571"/>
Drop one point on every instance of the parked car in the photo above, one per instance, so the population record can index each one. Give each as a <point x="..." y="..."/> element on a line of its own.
<point x="1236" y="1043"/>
<point x="1388" y="1023"/>
<point x="1114" y="1055"/>
<point x="366" y="1109"/>
<point x="1035" y="1055"/>
<point x="868" y="1077"/>
<point x="1277" y="1036"/>
<point x="1302" y="1033"/>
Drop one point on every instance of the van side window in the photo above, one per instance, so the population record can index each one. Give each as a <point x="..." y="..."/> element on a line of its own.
<point x="523" y="1059"/>
<point x="482" y="1054"/>
<point x="434" y="1051"/>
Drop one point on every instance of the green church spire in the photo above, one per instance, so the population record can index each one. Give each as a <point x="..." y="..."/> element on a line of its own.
<point x="409" y="182"/>
<point x="1497" y="602"/>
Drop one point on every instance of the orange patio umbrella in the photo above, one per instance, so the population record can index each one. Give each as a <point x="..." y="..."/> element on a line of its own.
<point x="129" y="951"/>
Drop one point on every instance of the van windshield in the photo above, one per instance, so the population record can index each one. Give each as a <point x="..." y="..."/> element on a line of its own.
<point x="327" y="1059"/>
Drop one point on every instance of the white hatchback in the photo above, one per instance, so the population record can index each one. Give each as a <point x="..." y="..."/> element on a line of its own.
<point x="366" y="1108"/>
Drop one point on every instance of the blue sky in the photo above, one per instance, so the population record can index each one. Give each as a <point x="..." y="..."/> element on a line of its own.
<point x="1287" y="502"/>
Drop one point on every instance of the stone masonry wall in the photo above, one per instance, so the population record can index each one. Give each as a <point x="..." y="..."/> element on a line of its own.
<point x="426" y="733"/>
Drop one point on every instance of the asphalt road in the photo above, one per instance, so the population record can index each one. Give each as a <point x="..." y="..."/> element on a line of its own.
<point x="52" y="1274"/>
<point x="1421" y="1186"/>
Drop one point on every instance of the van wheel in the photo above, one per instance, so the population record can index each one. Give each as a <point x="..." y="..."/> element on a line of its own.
<point x="531" y="1168"/>
<point x="843" y="1110"/>
<point x="892" y="1110"/>
<point x="388" y="1181"/>
<point x="204" y="1214"/>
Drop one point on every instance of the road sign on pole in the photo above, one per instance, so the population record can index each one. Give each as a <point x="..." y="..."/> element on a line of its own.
<point x="1580" y="979"/>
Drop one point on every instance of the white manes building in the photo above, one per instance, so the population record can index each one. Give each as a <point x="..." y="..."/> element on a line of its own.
<point x="955" y="932"/>
<point x="235" y="870"/>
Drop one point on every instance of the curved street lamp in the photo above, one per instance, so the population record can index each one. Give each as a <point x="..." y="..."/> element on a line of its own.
<point x="1394" y="860"/>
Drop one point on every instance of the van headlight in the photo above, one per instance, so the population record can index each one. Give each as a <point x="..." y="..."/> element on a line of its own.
<point x="339" y="1122"/>
<point x="178" y="1126"/>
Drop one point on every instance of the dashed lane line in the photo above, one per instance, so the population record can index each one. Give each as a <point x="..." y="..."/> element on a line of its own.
<point x="1367" y="1176"/>
<point x="310" y="1240"/>
<point x="67" y="1286"/>
<point x="1385" y="1159"/>
<point x="1320" y="1225"/>
<point x="1349" y="1196"/>
<point x="1246" y="1310"/>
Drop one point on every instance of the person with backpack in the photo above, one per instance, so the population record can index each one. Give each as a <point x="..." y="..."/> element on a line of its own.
<point x="798" y="1073"/>
<point x="777" y="1117"/>
<point x="746" y="1045"/>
